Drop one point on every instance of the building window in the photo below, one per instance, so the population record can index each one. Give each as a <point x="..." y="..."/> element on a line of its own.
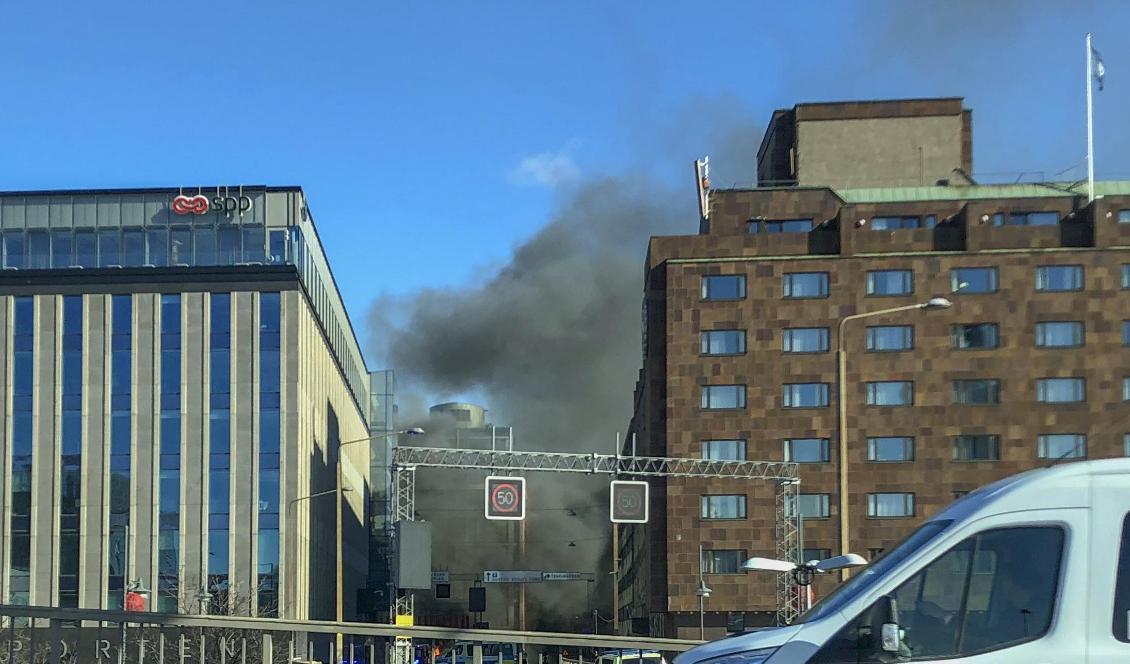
<point x="890" y="393"/>
<point x="1062" y="334"/>
<point x="1062" y="446"/>
<point x="890" y="505"/>
<point x="805" y="340"/>
<point x="1059" y="278"/>
<point x="1061" y="390"/>
<point x="873" y="553"/>
<point x="723" y="397"/>
<point x="22" y="448"/>
<point x="1126" y="333"/>
<point x="808" y="450"/>
<point x="974" y="280"/>
<point x="1124" y="216"/>
<point x="1033" y="218"/>
<point x="890" y="282"/>
<point x="895" y="223"/>
<point x="169" y="441"/>
<point x="723" y="342"/>
<point x="890" y="338"/>
<point x="1126" y="444"/>
<point x="723" y="450"/>
<point x="722" y="561"/>
<point x="70" y="439"/>
<point x="270" y="384"/>
<point x="813" y="505"/>
<point x="219" y="449"/>
<point x="121" y="436"/>
<point x="1126" y="276"/>
<point x="976" y="336"/>
<point x="723" y="507"/>
<point x="885" y="449"/>
<point x="977" y="392"/>
<point x="723" y="287"/>
<point x="1126" y="389"/>
<point x="809" y="555"/>
<point x="780" y="226"/>
<point x="800" y="285"/>
<point x="976" y="448"/>
<point x="806" y="395"/>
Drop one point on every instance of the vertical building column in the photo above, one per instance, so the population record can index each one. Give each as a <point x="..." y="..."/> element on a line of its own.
<point x="146" y="471"/>
<point x="243" y="398"/>
<point x="193" y="459"/>
<point x="92" y="561"/>
<point x="291" y="455"/>
<point x="45" y="485"/>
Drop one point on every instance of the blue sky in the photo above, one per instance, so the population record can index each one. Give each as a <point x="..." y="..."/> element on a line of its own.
<point x="433" y="137"/>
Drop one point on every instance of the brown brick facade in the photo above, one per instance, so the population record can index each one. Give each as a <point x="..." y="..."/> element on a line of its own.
<point x="669" y="420"/>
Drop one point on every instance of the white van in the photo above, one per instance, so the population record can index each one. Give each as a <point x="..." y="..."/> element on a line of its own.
<point x="1033" y="568"/>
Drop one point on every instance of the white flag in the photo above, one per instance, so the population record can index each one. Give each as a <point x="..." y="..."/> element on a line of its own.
<point x="1098" y="69"/>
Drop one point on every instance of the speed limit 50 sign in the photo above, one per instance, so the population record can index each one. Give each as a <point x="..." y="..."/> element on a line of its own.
<point x="505" y="498"/>
<point x="628" y="502"/>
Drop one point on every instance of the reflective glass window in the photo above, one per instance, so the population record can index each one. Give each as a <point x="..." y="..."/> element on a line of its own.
<point x="109" y="247"/>
<point x="723" y="342"/>
<point x="39" y="249"/>
<point x="723" y="450"/>
<point x="723" y="396"/>
<point x="62" y="249"/>
<point x="1061" y="390"/>
<point x="974" y="280"/>
<point x="723" y="507"/>
<point x="979" y="391"/>
<point x="890" y="282"/>
<point x="805" y="340"/>
<point x="1063" y="334"/>
<point x="890" y="505"/>
<point x="86" y="249"/>
<point x="14" y="250"/>
<point x="802" y="285"/>
<point x="976" y="448"/>
<point x="1058" y="278"/>
<point x="723" y="287"/>
<point x="890" y="338"/>
<point x="1062" y="446"/>
<point x="157" y="244"/>
<point x="890" y="448"/>
<point x="890" y="393"/>
<point x="133" y="247"/>
<point x="805" y="395"/>
<point x="808" y="450"/>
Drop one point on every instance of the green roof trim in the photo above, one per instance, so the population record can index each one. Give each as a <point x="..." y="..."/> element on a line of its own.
<point x="981" y="191"/>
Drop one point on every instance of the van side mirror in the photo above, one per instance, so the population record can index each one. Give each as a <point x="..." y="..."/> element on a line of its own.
<point x="890" y="637"/>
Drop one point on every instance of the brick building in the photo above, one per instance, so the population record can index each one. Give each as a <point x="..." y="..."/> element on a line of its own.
<point x="1029" y="365"/>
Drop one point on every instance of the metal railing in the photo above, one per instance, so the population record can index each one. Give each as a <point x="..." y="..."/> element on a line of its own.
<point x="52" y="635"/>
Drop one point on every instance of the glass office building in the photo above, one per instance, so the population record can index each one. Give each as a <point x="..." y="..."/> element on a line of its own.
<point x="180" y="370"/>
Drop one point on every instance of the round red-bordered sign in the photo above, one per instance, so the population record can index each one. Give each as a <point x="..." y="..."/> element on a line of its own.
<point x="505" y="498"/>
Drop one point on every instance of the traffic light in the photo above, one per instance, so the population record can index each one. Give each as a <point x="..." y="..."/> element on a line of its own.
<point x="506" y="498"/>
<point x="628" y="503"/>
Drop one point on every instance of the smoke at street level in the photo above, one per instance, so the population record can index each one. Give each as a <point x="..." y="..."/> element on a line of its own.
<point x="553" y="342"/>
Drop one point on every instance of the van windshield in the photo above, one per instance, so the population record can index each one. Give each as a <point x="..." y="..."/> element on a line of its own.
<point x="863" y="581"/>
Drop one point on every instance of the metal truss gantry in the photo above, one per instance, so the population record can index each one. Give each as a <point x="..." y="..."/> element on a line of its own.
<point x="784" y="475"/>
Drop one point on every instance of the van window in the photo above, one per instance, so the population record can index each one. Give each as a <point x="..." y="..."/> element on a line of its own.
<point x="1122" y="587"/>
<point x="993" y="590"/>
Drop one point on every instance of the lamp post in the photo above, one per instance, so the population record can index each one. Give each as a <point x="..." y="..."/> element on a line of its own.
<point x="703" y="592"/>
<point x="841" y="409"/>
<point x="414" y="431"/>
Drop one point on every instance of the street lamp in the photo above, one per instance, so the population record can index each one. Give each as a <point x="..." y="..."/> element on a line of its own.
<point x="413" y="431"/>
<point x="841" y="409"/>
<point x="703" y="591"/>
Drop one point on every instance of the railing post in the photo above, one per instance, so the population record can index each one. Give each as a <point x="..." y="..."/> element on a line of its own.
<point x="477" y="653"/>
<point x="268" y="648"/>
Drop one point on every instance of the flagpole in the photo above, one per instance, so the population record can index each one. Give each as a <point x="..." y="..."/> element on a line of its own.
<point x="1090" y="130"/>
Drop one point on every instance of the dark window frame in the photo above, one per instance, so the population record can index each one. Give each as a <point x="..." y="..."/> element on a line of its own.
<point x="1074" y="266"/>
<point x="957" y="332"/>
<point x="704" y="290"/>
<point x="703" y="334"/>
<point x="870" y="345"/>
<point x="868" y="285"/>
<point x="958" y="397"/>
<point x="874" y="503"/>
<point x="1082" y="334"/>
<point x="873" y="404"/>
<point x="786" y="285"/>
<point x="743" y="507"/>
<point x="955" y="281"/>
<point x="744" y="397"/>
<point x="909" y="444"/>
<point x="827" y="338"/>
<point x="825" y="450"/>
<point x="994" y="445"/>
